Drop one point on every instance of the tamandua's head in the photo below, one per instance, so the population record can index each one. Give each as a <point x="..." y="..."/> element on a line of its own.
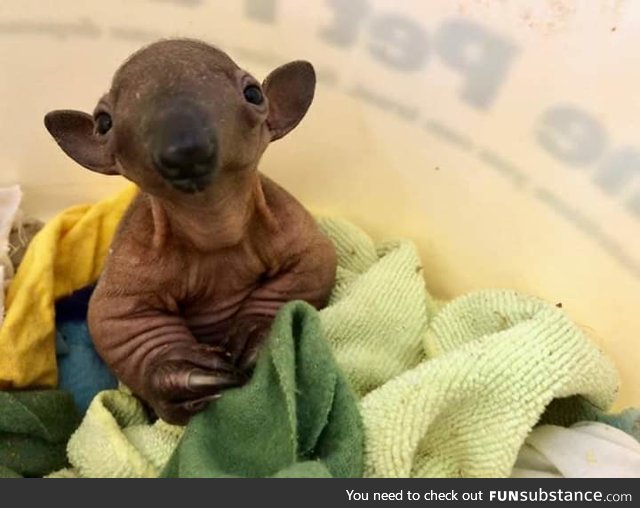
<point x="181" y="115"/>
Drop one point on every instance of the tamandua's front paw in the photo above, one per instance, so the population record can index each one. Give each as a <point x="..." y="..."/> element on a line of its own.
<point x="246" y="339"/>
<point x="185" y="379"/>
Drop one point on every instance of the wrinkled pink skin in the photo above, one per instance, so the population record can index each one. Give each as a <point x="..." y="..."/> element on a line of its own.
<point x="194" y="279"/>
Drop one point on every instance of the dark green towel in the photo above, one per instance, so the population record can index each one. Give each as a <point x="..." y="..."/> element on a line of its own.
<point x="569" y="410"/>
<point x="34" y="429"/>
<point x="296" y="417"/>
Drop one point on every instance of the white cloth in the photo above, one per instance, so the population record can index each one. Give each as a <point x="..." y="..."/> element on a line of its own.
<point x="10" y="198"/>
<point x="584" y="450"/>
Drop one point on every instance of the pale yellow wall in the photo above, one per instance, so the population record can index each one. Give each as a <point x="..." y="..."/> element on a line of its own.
<point x="501" y="136"/>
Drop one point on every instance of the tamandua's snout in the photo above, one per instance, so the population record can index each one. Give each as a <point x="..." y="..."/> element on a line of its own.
<point x="183" y="144"/>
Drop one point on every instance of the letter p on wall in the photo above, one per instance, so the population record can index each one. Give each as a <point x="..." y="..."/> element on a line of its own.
<point x="482" y="57"/>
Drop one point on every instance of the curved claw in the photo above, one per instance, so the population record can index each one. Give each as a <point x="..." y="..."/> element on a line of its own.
<point x="248" y="359"/>
<point x="197" y="405"/>
<point x="246" y="340"/>
<point x="200" y="380"/>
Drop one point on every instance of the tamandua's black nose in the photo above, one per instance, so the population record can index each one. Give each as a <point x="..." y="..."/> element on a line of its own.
<point x="184" y="148"/>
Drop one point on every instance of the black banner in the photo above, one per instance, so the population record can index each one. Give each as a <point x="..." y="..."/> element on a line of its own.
<point x="327" y="493"/>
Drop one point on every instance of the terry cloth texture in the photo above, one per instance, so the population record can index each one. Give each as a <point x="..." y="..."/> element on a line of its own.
<point x="34" y="429"/>
<point x="447" y="390"/>
<point x="67" y="254"/>
<point x="585" y="450"/>
<point x="116" y="440"/>
<point x="496" y="360"/>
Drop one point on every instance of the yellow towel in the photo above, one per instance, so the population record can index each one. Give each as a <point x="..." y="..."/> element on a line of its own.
<point x="66" y="255"/>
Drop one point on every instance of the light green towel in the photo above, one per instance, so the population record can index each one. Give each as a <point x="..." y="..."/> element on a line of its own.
<point x="115" y="440"/>
<point x="446" y="391"/>
<point x="379" y="310"/>
<point x="497" y="359"/>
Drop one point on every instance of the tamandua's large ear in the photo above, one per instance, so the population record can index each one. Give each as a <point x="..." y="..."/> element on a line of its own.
<point x="290" y="90"/>
<point x="75" y="132"/>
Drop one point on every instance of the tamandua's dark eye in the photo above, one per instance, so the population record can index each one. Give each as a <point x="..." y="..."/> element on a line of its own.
<point x="103" y="123"/>
<point x="253" y="94"/>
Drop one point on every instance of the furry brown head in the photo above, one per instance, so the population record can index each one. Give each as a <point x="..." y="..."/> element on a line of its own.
<point x="181" y="115"/>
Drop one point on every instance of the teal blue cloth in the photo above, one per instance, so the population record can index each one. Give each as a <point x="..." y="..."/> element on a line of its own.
<point x="81" y="371"/>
